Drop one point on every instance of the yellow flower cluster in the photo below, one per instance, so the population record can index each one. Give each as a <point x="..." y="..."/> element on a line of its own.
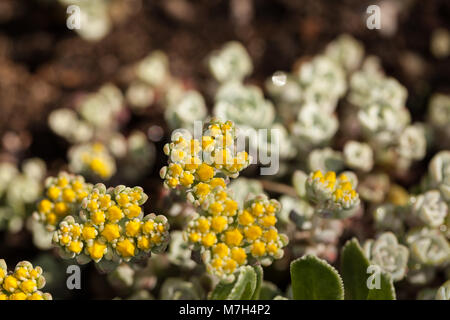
<point x="92" y="158"/>
<point x="227" y="236"/>
<point x="23" y="283"/>
<point x="63" y="196"/>
<point x="199" y="160"/>
<point x="336" y="195"/>
<point x="112" y="225"/>
<point x="230" y="241"/>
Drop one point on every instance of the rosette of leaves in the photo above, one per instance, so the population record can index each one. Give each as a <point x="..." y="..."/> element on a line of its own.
<point x="323" y="82"/>
<point x="358" y="156"/>
<point x="244" y="105"/>
<point x="387" y="253"/>
<point x="140" y="95"/>
<point x="428" y="246"/>
<point x="102" y="107"/>
<point x="231" y="63"/>
<point x="382" y="123"/>
<point x="439" y="172"/>
<point x="189" y="108"/>
<point x="67" y="124"/>
<point x="153" y="69"/>
<point x="369" y="88"/>
<point x="313" y="127"/>
<point x="412" y="142"/>
<point x="19" y="191"/>
<point x="346" y="51"/>
<point x="430" y="208"/>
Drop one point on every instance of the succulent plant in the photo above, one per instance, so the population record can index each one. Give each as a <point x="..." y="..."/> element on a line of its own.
<point x="430" y="208"/>
<point x="358" y="156"/>
<point x="244" y="105"/>
<point x="387" y="253"/>
<point x="332" y="196"/>
<point x="230" y="63"/>
<point x="439" y="171"/>
<point x="428" y="246"/>
<point x="111" y="227"/>
<point x="24" y="283"/>
<point x="228" y="237"/>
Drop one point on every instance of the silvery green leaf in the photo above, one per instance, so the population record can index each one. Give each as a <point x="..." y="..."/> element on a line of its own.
<point x="412" y="143"/>
<point x="430" y="208"/>
<point x="245" y="105"/>
<point x="323" y="82"/>
<point x="189" y="108"/>
<point x="428" y="246"/>
<point x="346" y="51"/>
<point x="439" y="171"/>
<point x="153" y="69"/>
<point x="387" y="253"/>
<point x="358" y="155"/>
<point x="231" y="62"/>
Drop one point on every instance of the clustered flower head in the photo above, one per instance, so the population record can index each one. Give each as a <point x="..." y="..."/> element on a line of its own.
<point x="334" y="196"/>
<point x="227" y="236"/>
<point x="24" y="283"/>
<point x="93" y="159"/>
<point x="63" y="196"/>
<point x="112" y="225"/>
<point x="194" y="160"/>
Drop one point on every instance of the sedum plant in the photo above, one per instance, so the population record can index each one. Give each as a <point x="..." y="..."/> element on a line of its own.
<point x="111" y="227"/>
<point x="230" y="63"/>
<point x="63" y="196"/>
<point x="387" y="253"/>
<point x="332" y="196"/>
<point x="19" y="189"/>
<point x="227" y="236"/>
<point x="23" y="283"/>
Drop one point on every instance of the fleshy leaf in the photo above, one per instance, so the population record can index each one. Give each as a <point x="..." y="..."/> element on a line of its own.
<point x="386" y="290"/>
<point x="242" y="288"/>
<point x="354" y="266"/>
<point x="315" y="279"/>
<point x="259" y="279"/>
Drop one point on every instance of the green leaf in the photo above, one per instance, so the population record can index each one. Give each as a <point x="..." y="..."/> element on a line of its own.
<point x="314" y="279"/>
<point x="259" y="279"/>
<point x="242" y="288"/>
<point x="268" y="291"/>
<point x="354" y="266"/>
<point x="386" y="290"/>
